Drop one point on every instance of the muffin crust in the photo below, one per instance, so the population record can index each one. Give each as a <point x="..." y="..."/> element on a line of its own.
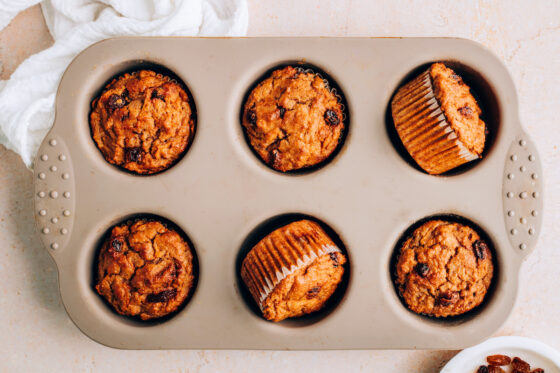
<point x="142" y="122"/>
<point x="306" y="290"/>
<point x="293" y="121"/>
<point x="438" y="120"/>
<point x="443" y="269"/>
<point x="293" y="271"/>
<point x="459" y="106"/>
<point x="145" y="269"/>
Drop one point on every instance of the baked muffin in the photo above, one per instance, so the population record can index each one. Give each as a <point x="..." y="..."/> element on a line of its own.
<point x="142" y="122"/>
<point x="293" y="271"/>
<point x="443" y="269"/>
<point x="438" y="120"/>
<point x="293" y="120"/>
<point x="145" y="269"/>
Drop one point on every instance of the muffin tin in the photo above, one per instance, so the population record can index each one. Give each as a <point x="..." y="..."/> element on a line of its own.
<point x="221" y="195"/>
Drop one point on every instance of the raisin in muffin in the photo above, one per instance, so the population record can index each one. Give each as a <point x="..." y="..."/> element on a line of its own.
<point x="438" y="120"/>
<point x="145" y="269"/>
<point x="443" y="269"/>
<point x="142" y="122"/>
<point x="292" y="119"/>
<point x="293" y="271"/>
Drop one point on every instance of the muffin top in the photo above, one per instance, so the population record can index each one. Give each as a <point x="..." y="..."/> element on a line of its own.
<point x="443" y="269"/>
<point x="142" y="122"/>
<point x="293" y="120"/>
<point x="459" y="106"/>
<point x="293" y="271"/>
<point x="145" y="269"/>
<point x="306" y="290"/>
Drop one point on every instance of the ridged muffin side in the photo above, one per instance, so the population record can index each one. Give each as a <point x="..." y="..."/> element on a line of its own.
<point x="438" y="120"/>
<point x="293" y="271"/>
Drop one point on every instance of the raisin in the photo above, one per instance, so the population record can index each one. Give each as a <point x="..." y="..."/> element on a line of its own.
<point x="498" y="359"/>
<point x="134" y="154"/>
<point x="116" y="244"/>
<point x="457" y="78"/>
<point x="178" y="267"/>
<point x="115" y="102"/>
<point x="495" y="369"/>
<point x="163" y="296"/>
<point x="331" y="118"/>
<point x="312" y="293"/>
<point x="273" y="156"/>
<point x="156" y="94"/>
<point x="448" y="298"/>
<point x="282" y="112"/>
<point x="334" y="258"/>
<point x="537" y="370"/>
<point x="520" y="365"/>
<point x="482" y="369"/>
<point x="480" y="248"/>
<point x="251" y="117"/>
<point x="465" y="111"/>
<point x="168" y="270"/>
<point x="422" y="269"/>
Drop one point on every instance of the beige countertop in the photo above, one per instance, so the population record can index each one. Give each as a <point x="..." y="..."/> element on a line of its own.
<point x="37" y="333"/>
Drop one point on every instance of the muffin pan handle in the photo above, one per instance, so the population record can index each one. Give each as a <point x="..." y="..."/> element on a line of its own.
<point x="54" y="193"/>
<point x="522" y="194"/>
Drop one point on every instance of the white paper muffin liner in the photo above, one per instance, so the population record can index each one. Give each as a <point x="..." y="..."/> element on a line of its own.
<point x="281" y="253"/>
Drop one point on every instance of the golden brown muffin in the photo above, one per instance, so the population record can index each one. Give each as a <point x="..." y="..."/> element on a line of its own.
<point x="438" y="120"/>
<point x="145" y="269"/>
<point x="444" y="269"/>
<point x="293" y="271"/>
<point x="293" y="120"/>
<point x="142" y="122"/>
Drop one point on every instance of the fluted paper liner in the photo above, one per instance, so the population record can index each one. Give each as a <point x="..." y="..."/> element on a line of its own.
<point x="424" y="129"/>
<point x="282" y="252"/>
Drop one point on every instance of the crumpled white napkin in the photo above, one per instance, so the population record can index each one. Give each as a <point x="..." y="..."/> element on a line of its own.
<point x="27" y="98"/>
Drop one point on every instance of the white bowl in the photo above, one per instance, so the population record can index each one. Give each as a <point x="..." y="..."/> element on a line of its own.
<point x="534" y="352"/>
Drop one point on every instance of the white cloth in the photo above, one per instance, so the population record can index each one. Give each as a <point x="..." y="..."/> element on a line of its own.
<point x="27" y="98"/>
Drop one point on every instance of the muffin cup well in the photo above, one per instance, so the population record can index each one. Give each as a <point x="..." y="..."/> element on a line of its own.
<point x="424" y="130"/>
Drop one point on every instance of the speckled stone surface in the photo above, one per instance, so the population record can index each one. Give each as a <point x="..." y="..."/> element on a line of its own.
<point x="38" y="335"/>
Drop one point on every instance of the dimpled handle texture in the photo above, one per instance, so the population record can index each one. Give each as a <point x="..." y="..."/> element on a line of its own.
<point x="54" y="193"/>
<point x="522" y="194"/>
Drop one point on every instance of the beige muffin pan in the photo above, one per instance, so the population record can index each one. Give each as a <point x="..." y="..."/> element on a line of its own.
<point x="223" y="197"/>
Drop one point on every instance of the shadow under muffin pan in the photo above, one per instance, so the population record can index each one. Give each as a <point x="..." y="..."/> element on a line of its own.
<point x="219" y="192"/>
